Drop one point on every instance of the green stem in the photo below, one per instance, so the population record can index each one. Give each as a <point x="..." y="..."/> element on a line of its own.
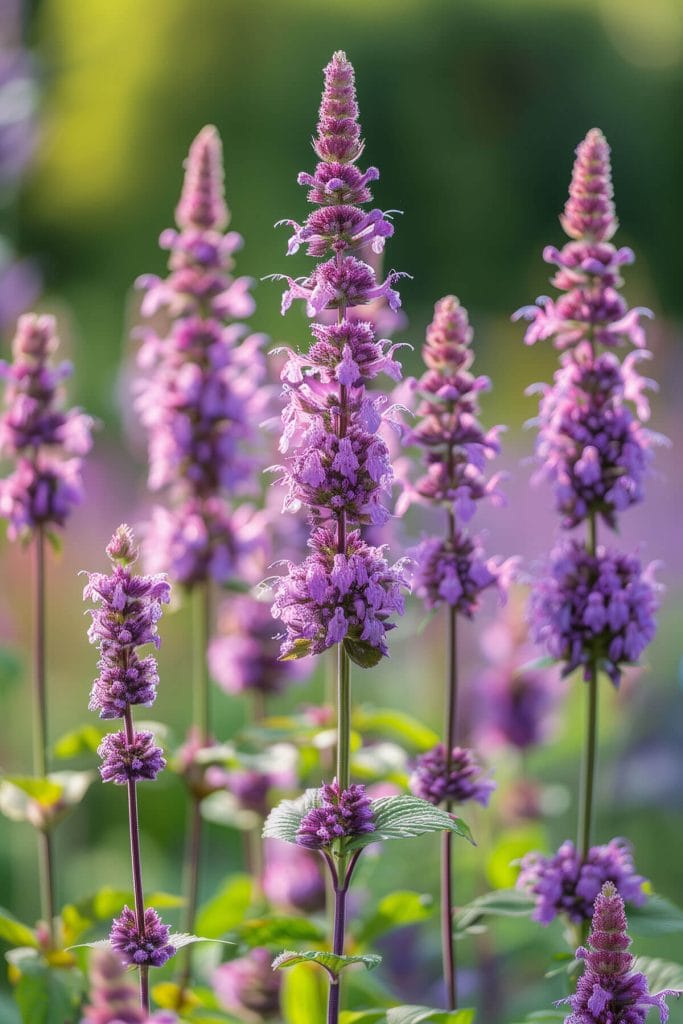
<point x="45" y="851"/>
<point x="201" y="625"/>
<point x="590" y="746"/>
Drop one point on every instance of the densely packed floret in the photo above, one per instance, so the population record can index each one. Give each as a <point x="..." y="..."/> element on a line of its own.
<point x="201" y="392"/>
<point x="594" y="609"/>
<point x="567" y="884"/>
<point x="437" y="782"/>
<point x="342" y="813"/>
<point x="609" y="991"/>
<point x="149" y="946"/>
<point x="46" y="442"/>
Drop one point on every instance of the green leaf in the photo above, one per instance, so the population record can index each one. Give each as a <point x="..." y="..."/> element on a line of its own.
<point x="284" y="820"/>
<point x="45" y="791"/>
<point x="84" y="740"/>
<point x="10" y="668"/>
<point x="396" y="724"/>
<point x="362" y="653"/>
<point x="661" y="974"/>
<point x="304" y="995"/>
<point x="228" y="908"/>
<point x="107" y="902"/>
<point x="363" y="1017"/>
<point x="14" y="932"/>
<point x="300" y="649"/>
<point x="275" y="931"/>
<point x="657" y="916"/>
<point x="395" y="910"/>
<point x="501" y="903"/>
<point x="43" y="802"/>
<point x="403" y="817"/>
<point x="331" y="962"/>
<point x="427" y="1015"/>
<point x="46" y="995"/>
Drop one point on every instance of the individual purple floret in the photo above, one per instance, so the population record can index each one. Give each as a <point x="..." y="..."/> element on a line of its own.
<point x="565" y="884"/>
<point x="331" y="597"/>
<point x="127" y="616"/>
<point x="609" y="991"/>
<point x="341" y="814"/>
<point x="432" y="781"/>
<point x="245" y="655"/>
<point x="151" y="948"/>
<point x="126" y="761"/>
<point x="37" y="433"/>
<point x="249" y="987"/>
<point x="594" y="609"/>
<point x="201" y="394"/>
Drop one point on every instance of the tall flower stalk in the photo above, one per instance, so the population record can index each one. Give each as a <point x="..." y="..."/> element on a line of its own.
<point x="452" y="569"/>
<point x="595" y="608"/>
<point x="126" y="616"/>
<point x="344" y="593"/>
<point x="199" y="398"/>
<point x="36" y="499"/>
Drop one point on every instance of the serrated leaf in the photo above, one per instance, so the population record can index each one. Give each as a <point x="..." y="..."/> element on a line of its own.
<point x="274" y="931"/>
<point x="657" y="916"/>
<point x="427" y="1015"/>
<point x="361" y="653"/>
<point x="228" y="908"/>
<point x="397" y="724"/>
<point x="14" y="932"/>
<point x="500" y="903"/>
<point x="661" y="974"/>
<point x="284" y="820"/>
<point x="84" y="740"/>
<point x="333" y="963"/>
<point x="395" y="910"/>
<point x="404" y="817"/>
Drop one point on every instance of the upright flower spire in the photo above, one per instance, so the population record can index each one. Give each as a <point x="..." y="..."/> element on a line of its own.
<point x="589" y="212"/>
<point x="202" y="200"/>
<point x="609" y="991"/>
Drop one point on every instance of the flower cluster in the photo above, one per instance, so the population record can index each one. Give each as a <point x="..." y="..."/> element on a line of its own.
<point x="340" y="470"/>
<point x="452" y="569"/>
<point x="128" y="608"/>
<point x="342" y="813"/>
<point x="245" y="654"/>
<point x="437" y="782"/>
<point x="200" y="395"/>
<point x="609" y="991"/>
<point x="591" y="444"/>
<point x="594" y="609"/>
<point x="333" y="597"/>
<point x="249" y="987"/>
<point x="147" y="946"/>
<point x="47" y="442"/>
<point x="566" y="884"/>
<point x="112" y="999"/>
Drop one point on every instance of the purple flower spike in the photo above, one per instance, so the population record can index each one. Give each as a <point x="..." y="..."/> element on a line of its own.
<point x="465" y="781"/>
<point x="609" y="991"/>
<point x="342" y="814"/>
<point x="201" y="391"/>
<point x="112" y="999"/>
<point x="149" y="948"/>
<point x="126" y="761"/>
<point x="129" y="607"/>
<point x="37" y="433"/>
<point x="594" y="609"/>
<point x="589" y="212"/>
<point x="564" y="884"/>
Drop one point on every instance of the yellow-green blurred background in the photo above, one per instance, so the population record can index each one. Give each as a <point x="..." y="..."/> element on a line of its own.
<point x="472" y="110"/>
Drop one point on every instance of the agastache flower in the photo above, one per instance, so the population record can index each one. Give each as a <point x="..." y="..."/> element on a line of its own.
<point x="609" y="991"/>
<point x="137" y="948"/>
<point x="340" y="470"/>
<point x="201" y="393"/>
<point x="342" y="813"/>
<point x="46" y="441"/>
<point x="432" y="780"/>
<point x="567" y="884"/>
<point x="594" y="609"/>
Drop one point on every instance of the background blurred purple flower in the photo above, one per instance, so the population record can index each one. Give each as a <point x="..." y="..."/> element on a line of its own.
<point x="292" y="878"/>
<point x="249" y="987"/>
<point x="436" y="781"/>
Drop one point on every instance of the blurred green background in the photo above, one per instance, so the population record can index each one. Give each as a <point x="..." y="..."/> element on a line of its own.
<point x="472" y="110"/>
